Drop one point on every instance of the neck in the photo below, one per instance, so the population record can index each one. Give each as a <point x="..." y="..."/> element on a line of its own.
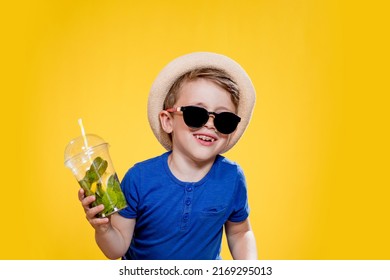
<point x="188" y="170"/>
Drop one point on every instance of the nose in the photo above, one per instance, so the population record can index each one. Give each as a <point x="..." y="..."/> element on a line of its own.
<point x="210" y="122"/>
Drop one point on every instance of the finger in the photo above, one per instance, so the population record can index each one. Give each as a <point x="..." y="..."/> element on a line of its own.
<point x="99" y="221"/>
<point x="92" y="212"/>
<point x="81" y="194"/>
<point x="86" y="202"/>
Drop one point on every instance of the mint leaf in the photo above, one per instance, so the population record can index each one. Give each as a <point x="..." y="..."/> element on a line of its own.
<point x="99" y="189"/>
<point x="99" y="199"/>
<point x="121" y="200"/>
<point x="113" y="183"/>
<point x="98" y="167"/>
<point x="114" y="189"/>
<point x="109" y="200"/>
<point x="86" y="186"/>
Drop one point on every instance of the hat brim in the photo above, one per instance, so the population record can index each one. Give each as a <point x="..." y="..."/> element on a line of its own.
<point x="183" y="64"/>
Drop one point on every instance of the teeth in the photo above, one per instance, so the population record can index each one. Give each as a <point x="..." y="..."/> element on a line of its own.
<point x="205" y="138"/>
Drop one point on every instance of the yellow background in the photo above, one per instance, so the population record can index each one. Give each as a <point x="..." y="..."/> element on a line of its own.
<point x="316" y="154"/>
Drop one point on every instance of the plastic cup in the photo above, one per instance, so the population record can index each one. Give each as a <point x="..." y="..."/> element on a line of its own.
<point x="89" y="160"/>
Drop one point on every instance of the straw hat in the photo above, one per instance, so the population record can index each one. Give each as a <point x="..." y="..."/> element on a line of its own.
<point x="183" y="64"/>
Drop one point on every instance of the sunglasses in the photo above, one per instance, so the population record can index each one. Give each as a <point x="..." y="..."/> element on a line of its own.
<point x="196" y="117"/>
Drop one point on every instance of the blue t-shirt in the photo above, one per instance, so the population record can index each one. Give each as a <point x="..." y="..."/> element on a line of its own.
<point x="182" y="220"/>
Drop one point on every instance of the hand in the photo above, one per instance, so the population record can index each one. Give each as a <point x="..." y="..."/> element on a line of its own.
<point x="99" y="224"/>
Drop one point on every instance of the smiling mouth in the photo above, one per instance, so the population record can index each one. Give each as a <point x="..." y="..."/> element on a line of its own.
<point x="205" y="138"/>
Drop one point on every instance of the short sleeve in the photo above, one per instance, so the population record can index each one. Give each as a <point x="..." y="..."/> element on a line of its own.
<point x="240" y="200"/>
<point x="130" y="190"/>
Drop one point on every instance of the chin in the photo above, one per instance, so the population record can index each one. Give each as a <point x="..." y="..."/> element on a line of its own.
<point x="204" y="156"/>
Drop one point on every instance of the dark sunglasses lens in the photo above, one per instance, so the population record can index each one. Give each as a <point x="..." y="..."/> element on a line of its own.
<point x="195" y="117"/>
<point x="226" y="122"/>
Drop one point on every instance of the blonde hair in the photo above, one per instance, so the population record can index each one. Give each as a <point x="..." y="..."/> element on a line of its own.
<point x="219" y="77"/>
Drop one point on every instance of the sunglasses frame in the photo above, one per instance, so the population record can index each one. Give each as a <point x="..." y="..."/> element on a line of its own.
<point x="214" y="114"/>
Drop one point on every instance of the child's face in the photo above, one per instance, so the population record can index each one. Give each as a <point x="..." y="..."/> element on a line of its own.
<point x="204" y="143"/>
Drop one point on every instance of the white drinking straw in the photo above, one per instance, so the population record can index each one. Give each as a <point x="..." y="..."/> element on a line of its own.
<point x="83" y="134"/>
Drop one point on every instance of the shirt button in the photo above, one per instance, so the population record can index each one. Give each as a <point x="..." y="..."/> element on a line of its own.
<point x="185" y="217"/>
<point x="188" y="201"/>
<point x="189" y="189"/>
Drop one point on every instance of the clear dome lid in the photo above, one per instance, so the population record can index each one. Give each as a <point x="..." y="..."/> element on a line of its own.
<point x="82" y="145"/>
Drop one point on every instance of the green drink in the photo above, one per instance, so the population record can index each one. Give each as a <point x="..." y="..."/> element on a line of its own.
<point x="88" y="158"/>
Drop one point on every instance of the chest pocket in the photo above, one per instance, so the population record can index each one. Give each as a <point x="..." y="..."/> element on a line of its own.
<point x="214" y="211"/>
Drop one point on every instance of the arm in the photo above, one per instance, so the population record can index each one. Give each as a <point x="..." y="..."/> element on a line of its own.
<point x="116" y="240"/>
<point x="241" y="240"/>
<point x="113" y="234"/>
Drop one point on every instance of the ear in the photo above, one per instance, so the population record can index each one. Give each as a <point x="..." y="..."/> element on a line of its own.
<point x="166" y="121"/>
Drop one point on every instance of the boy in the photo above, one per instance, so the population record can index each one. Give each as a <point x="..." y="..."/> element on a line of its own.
<point x="179" y="202"/>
